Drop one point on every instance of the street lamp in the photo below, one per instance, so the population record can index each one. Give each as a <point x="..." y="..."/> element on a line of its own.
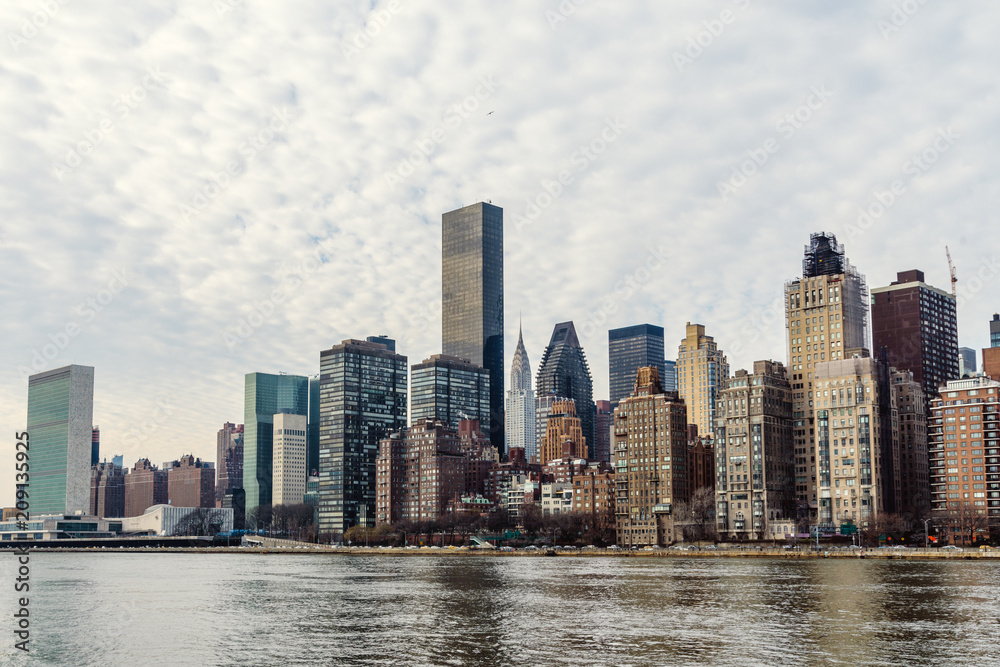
<point x="926" y="538"/>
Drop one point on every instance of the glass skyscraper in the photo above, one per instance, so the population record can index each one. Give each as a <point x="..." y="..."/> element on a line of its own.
<point x="629" y="349"/>
<point x="564" y="372"/>
<point x="60" y="432"/>
<point x="265" y="396"/>
<point x="312" y="444"/>
<point x="472" y="297"/>
<point x="362" y="399"/>
<point x="449" y="389"/>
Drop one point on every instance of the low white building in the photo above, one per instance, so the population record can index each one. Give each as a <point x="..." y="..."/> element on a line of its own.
<point x="557" y="498"/>
<point x="162" y="520"/>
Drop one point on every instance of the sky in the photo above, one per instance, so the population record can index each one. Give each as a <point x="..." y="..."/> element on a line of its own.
<point x="196" y="190"/>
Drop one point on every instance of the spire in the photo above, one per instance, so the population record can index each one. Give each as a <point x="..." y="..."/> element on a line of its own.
<point x="520" y="370"/>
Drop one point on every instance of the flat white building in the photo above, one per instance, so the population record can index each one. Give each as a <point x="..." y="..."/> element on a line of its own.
<point x="162" y="520"/>
<point x="288" y="474"/>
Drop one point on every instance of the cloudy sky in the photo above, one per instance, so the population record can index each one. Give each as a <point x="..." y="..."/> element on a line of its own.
<point x="195" y="190"/>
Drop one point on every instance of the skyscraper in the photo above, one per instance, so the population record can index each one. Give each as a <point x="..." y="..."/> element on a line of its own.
<point x="916" y="324"/>
<point x="702" y="371"/>
<point x="312" y="442"/>
<point x="449" y="389"/>
<point x="651" y="427"/>
<point x="520" y="413"/>
<point x="563" y="434"/>
<point x="629" y="349"/>
<point x="95" y="446"/>
<point x="362" y="398"/>
<point x="754" y="450"/>
<point x="995" y="330"/>
<point x="600" y="450"/>
<point x="229" y="460"/>
<point x="966" y="361"/>
<point x="191" y="482"/>
<point x="472" y="297"/>
<point x="145" y="486"/>
<point x="289" y="473"/>
<point x="564" y="371"/>
<point x="669" y="380"/>
<point x="826" y="311"/>
<point x="914" y="489"/>
<point x="107" y="491"/>
<point x="265" y="396"/>
<point x="60" y="425"/>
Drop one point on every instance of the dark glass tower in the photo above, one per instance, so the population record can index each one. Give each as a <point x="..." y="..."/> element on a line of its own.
<point x="564" y="372"/>
<point x="629" y="349"/>
<point x="312" y="442"/>
<point x="995" y="331"/>
<point x="472" y="297"/>
<point x="449" y="389"/>
<point x="265" y="396"/>
<point x="362" y="399"/>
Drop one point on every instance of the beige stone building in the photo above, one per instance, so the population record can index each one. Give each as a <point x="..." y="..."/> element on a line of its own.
<point x="826" y="315"/>
<point x="702" y="370"/>
<point x="754" y="449"/>
<point x="563" y="434"/>
<point x="650" y="451"/>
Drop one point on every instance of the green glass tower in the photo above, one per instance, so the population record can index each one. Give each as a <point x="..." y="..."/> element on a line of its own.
<point x="266" y="395"/>
<point x="60" y="429"/>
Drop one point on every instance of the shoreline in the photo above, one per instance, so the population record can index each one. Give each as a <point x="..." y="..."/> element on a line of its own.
<point x="313" y="550"/>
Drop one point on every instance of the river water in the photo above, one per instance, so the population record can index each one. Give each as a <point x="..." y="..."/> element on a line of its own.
<point x="245" y="610"/>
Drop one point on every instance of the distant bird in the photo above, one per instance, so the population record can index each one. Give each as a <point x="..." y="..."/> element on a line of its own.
<point x="490" y="113"/>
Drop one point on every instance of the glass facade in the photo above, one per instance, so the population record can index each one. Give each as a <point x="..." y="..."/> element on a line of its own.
<point x="629" y="349"/>
<point x="266" y="395"/>
<point x="449" y="389"/>
<point x="362" y="399"/>
<point x="60" y="431"/>
<point x="472" y="297"/>
<point x="312" y="445"/>
<point x="995" y="331"/>
<point x="564" y="372"/>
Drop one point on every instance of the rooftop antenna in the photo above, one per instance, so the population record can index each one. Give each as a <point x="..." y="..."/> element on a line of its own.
<point x="951" y="270"/>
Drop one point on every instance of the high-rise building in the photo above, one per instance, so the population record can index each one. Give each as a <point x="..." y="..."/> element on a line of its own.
<point x="362" y="400"/>
<point x="312" y="443"/>
<point x="265" y="396"/>
<point x="449" y="389"/>
<point x="519" y="429"/>
<point x="107" y="491"/>
<point x="651" y="438"/>
<point x="629" y="349"/>
<point x="916" y="323"/>
<point x="472" y="297"/>
<point x="289" y="473"/>
<point x="826" y="311"/>
<point x="669" y="375"/>
<point x="564" y="371"/>
<point x="991" y="362"/>
<point x="702" y="371"/>
<point x="563" y="434"/>
<point x="754" y="452"/>
<point x="229" y="460"/>
<point x="543" y="406"/>
<point x="418" y="471"/>
<point x="95" y="446"/>
<point x="964" y="444"/>
<point x="995" y="330"/>
<point x="604" y="419"/>
<point x="857" y="455"/>
<point x="701" y="464"/>
<point x="60" y="425"/>
<point x="911" y="406"/>
<point x="966" y="362"/>
<point x="145" y="486"/>
<point x="191" y="482"/>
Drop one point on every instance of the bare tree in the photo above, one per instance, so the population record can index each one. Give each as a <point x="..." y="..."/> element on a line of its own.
<point x="203" y="521"/>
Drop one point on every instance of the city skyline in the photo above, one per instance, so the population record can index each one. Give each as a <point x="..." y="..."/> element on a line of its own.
<point x="187" y="294"/>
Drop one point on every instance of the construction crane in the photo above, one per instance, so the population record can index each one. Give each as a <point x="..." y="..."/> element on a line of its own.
<point x="951" y="269"/>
